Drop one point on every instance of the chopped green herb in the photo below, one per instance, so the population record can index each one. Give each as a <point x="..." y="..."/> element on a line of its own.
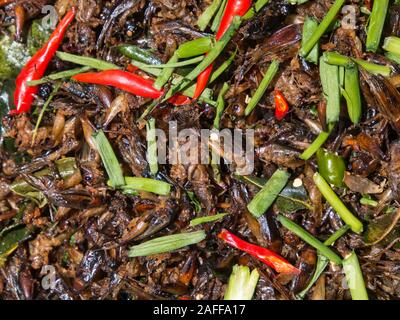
<point x="147" y="184"/>
<point x="201" y="220"/>
<point x="330" y="196"/>
<point x="260" y="4"/>
<point x="220" y="105"/>
<point x="221" y="69"/>
<point x="58" y="75"/>
<point x="164" y="76"/>
<point x="354" y="277"/>
<point x="331" y="87"/>
<point x="208" y="14"/>
<point x="309" y="27"/>
<point x="152" y="146"/>
<point x="310" y="239"/>
<point x="166" y="244"/>
<point x="86" y="61"/>
<point x="317" y="143"/>
<point x="352" y="94"/>
<point x="242" y="283"/>
<point x="269" y="75"/>
<point x="267" y="195"/>
<point x="218" y="17"/>
<point x="375" y="24"/>
<point x="109" y="159"/>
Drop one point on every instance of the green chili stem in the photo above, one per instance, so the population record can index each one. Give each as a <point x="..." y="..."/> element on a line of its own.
<point x="44" y="108"/>
<point x="269" y="75"/>
<point x="375" y="24"/>
<point x="152" y="146"/>
<point x="109" y="159"/>
<point x="330" y="196"/>
<point x="322" y="27"/>
<point x="207" y="15"/>
<point x="310" y="239"/>
<point x="57" y="76"/>
<point x="86" y="61"/>
<point x="354" y="276"/>
<point x="220" y="105"/>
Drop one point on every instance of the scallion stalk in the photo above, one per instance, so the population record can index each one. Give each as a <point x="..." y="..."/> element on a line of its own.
<point x="201" y="220"/>
<point x="317" y="143"/>
<point x="166" y="244"/>
<point x="195" y="47"/>
<point x="269" y="75"/>
<point x="373" y="68"/>
<point x="322" y="261"/>
<point x="260" y="4"/>
<point x="163" y="78"/>
<point x="218" y="17"/>
<point x="330" y="196"/>
<point x="322" y="27"/>
<point x="375" y="24"/>
<point x="354" y="277"/>
<point x="393" y="57"/>
<point x="175" y="64"/>
<point x="309" y="27"/>
<point x="392" y="44"/>
<point x="310" y="239"/>
<point x="109" y="159"/>
<point x="148" y="185"/>
<point x="208" y="14"/>
<point x="242" y="283"/>
<point x="331" y="87"/>
<point x="220" y="105"/>
<point x="352" y="94"/>
<point x="221" y="69"/>
<point x="267" y="195"/>
<point x="57" y="76"/>
<point x="152" y="146"/>
<point x="86" y="61"/>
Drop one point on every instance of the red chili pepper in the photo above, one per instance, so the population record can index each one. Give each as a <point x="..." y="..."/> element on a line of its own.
<point x="233" y="8"/>
<point x="37" y="65"/>
<point x="269" y="257"/>
<point x="128" y="82"/>
<point x="281" y="105"/>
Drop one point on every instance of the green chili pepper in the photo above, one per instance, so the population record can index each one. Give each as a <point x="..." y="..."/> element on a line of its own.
<point x="194" y="47"/>
<point x="331" y="167"/>
<point x="138" y="54"/>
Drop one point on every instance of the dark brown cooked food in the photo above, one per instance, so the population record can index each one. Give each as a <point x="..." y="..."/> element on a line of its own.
<point x="57" y="210"/>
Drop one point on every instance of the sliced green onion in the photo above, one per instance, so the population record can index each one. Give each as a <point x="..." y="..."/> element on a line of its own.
<point x="375" y="24"/>
<point x="392" y="44"/>
<point x="138" y="54"/>
<point x="317" y="143"/>
<point x="354" y="277"/>
<point x="338" y="59"/>
<point x="176" y="64"/>
<point x="242" y="283"/>
<point x="195" y="47"/>
<point x="352" y="94"/>
<point x="322" y="261"/>
<point x="86" y="61"/>
<point x="146" y="184"/>
<point x="221" y="69"/>
<point x="207" y="15"/>
<point x="218" y="17"/>
<point x="310" y="239"/>
<point x="166" y="244"/>
<point x="209" y="59"/>
<point x="260" y="4"/>
<point x="309" y="27"/>
<point x="330" y="196"/>
<point x="201" y="220"/>
<point x="109" y="159"/>
<point x="368" y="201"/>
<point x="331" y="87"/>
<point x="58" y="75"/>
<point x="220" y="105"/>
<point x="267" y="195"/>
<point x="322" y="27"/>
<point x="163" y="78"/>
<point x="393" y="57"/>
<point x="269" y="75"/>
<point x="152" y="146"/>
<point x="44" y="108"/>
